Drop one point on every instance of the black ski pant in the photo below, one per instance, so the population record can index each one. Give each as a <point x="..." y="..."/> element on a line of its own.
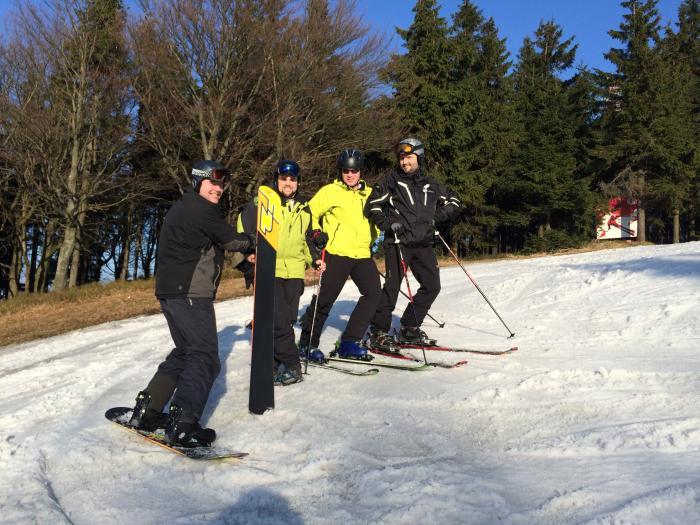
<point x="287" y="294"/>
<point x="424" y="265"/>
<point x="365" y="275"/>
<point x="190" y="369"/>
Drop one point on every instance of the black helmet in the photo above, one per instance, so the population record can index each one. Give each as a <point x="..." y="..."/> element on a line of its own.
<point x="409" y="146"/>
<point x="209" y="169"/>
<point x="351" y="159"/>
<point x="286" y="167"/>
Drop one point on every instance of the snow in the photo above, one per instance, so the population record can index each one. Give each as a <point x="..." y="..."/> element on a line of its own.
<point x="594" y="420"/>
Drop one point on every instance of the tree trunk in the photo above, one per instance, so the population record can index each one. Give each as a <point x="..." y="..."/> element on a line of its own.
<point x="676" y="226"/>
<point x="70" y="234"/>
<point x="36" y="237"/>
<point x="75" y="268"/>
<point x="13" y="274"/>
<point x="65" y="255"/>
<point x="641" y="225"/>
<point x="126" y="248"/>
<point x="137" y="250"/>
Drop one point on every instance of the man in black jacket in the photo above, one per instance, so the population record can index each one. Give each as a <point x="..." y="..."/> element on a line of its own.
<point x="189" y="264"/>
<point x="406" y="205"/>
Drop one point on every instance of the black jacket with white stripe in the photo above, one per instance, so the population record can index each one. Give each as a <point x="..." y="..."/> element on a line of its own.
<point x="416" y="201"/>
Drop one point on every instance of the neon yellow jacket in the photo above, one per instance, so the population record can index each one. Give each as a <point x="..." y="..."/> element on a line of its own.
<point x="338" y="211"/>
<point x="293" y="255"/>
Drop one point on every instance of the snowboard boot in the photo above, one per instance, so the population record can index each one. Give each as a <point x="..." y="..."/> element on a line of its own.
<point x="185" y="431"/>
<point x="380" y="340"/>
<point x="352" y="350"/>
<point x="287" y="375"/>
<point x="145" y="418"/>
<point x="413" y="335"/>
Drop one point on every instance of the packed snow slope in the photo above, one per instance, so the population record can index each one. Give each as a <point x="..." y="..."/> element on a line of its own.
<point x="595" y="419"/>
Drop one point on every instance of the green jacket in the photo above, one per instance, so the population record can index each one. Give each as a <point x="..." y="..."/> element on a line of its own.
<point x="339" y="211"/>
<point x="293" y="255"/>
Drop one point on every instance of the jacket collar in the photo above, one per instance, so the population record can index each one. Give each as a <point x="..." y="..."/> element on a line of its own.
<point x="362" y="185"/>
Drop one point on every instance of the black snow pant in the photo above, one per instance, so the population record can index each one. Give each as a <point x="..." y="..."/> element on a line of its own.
<point x="424" y="265"/>
<point x="190" y="369"/>
<point x="365" y="275"/>
<point x="287" y="294"/>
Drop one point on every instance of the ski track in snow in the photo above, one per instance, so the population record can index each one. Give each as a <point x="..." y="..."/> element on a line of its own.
<point x="594" y="420"/>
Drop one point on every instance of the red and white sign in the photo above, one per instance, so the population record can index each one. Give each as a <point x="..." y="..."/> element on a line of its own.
<point x="621" y="220"/>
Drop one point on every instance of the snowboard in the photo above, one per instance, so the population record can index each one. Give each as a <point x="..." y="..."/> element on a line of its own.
<point x="120" y="416"/>
<point x="262" y="389"/>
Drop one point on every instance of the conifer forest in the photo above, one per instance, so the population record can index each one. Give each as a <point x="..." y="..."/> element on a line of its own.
<point x="104" y="109"/>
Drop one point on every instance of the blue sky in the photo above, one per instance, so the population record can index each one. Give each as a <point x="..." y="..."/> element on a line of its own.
<point x="588" y="21"/>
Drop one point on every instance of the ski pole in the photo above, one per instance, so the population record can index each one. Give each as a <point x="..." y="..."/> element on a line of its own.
<point x="313" y="317"/>
<point x="437" y="233"/>
<point x="441" y="325"/>
<point x="408" y="286"/>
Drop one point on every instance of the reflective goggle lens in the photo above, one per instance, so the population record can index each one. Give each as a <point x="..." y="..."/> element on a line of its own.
<point x="220" y="174"/>
<point x="288" y="169"/>
<point x="405" y="149"/>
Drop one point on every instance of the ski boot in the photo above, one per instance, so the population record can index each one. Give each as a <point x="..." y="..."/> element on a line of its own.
<point x="313" y="354"/>
<point x="144" y="418"/>
<point x="413" y="335"/>
<point x="185" y="431"/>
<point x="380" y="340"/>
<point x="285" y="375"/>
<point x="352" y="350"/>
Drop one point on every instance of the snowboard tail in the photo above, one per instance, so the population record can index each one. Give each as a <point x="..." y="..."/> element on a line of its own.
<point x="121" y="415"/>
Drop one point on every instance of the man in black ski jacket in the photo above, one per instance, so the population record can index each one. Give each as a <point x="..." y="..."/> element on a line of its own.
<point x="406" y="205"/>
<point x="189" y="264"/>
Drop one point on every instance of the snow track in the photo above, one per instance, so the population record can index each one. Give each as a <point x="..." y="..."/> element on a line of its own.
<point x="593" y="421"/>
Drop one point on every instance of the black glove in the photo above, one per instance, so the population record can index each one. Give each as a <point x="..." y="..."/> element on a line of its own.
<point x="319" y="238"/>
<point x="248" y="271"/>
<point x="252" y="239"/>
<point x="396" y="227"/>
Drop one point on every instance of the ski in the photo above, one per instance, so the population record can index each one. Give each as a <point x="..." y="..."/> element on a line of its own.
<point x="405" y="357"/>
<point x="457" y="349"/>
<point x="368" y="372"/>
<point x="412" y="368"/>
<point x="120" y="416"/>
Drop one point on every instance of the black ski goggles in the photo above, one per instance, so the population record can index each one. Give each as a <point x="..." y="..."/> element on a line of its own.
<point x="288" y="169"/>
<point x="219" y="176"/>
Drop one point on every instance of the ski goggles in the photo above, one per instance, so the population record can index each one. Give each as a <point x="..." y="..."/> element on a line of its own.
<point x="288" y="169"/>
<point x="405" y="149"/>
<point x="219" y="176"/>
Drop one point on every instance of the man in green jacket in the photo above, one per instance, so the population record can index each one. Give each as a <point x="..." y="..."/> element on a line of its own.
<point x="337" y="211"/>
<point x="294" y="254"/>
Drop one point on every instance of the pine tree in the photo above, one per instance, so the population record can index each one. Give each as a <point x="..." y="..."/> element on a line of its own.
<point x="687" y="41"/>
<point x="544" y="201"/>
<point x="645" y="147"/>
<point x="483" y="119"/>
<point x="421" y="83"/>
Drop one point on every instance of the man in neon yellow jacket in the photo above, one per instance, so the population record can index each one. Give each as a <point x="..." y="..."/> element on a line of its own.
<point x="296" y="250"/>
<point x="337" y="211"/>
